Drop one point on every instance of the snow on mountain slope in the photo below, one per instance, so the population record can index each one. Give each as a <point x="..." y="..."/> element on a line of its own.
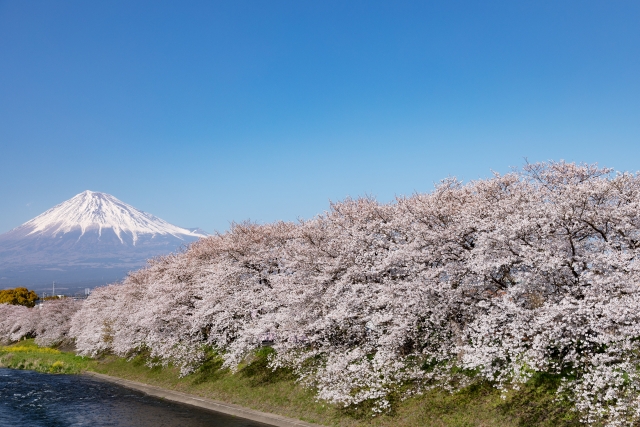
<point x="97" y="211"/>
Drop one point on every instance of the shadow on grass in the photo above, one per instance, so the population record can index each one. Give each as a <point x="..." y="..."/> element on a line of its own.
<point x="366" y="410"/>
<point x="536" y="404"/>
<point x="258" y="371"/>
<point x="210" y="370"/>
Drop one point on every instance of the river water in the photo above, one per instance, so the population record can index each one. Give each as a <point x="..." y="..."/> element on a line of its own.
<point x="31" y="399"/>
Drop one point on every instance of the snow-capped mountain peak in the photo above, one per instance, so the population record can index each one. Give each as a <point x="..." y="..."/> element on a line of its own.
<point x="91" y="210"/>
<point x="91" y="239"/>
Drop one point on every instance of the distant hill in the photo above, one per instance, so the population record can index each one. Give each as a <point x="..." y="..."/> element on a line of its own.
<point x="90" y="239"/>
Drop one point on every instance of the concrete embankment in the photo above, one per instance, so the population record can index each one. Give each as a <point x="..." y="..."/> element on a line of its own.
<point x="200" y="402"/>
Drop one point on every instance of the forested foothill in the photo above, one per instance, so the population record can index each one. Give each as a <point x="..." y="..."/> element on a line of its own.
<point x="501" y="280"/>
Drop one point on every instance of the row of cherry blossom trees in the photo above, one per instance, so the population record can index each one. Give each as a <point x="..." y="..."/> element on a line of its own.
<point x="500" y="279"/>
<point x="49" y="323"/>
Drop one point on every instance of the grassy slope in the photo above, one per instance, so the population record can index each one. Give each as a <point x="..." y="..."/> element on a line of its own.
<point x="257" y="387"/>
<point x="27" y="355"/>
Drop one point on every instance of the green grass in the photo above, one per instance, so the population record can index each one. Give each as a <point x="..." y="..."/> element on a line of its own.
<point x="255" y="386"/>
<point x="27" y="355"/>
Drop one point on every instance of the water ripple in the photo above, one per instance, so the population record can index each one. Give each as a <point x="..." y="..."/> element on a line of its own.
<point x="42" y="400"/>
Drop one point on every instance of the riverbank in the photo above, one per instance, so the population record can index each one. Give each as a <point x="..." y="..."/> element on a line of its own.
<point x="191" y="400"/>
<point x="256" y="387"/>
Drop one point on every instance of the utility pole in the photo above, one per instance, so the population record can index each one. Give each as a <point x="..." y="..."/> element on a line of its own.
<point x="54" y="288"/>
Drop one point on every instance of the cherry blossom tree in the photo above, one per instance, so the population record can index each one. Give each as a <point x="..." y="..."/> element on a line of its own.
<point x="16" y="322"/>
<point x="54" y="321"/>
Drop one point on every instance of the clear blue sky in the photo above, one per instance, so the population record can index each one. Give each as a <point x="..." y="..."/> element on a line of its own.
<point x="203" y="113"/>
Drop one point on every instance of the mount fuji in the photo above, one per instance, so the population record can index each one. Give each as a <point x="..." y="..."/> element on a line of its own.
<point x="92" y="238"/>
